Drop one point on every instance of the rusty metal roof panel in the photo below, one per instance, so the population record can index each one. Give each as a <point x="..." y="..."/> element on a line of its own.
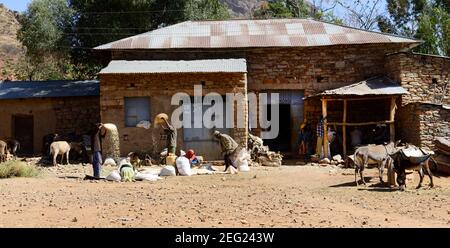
<point x="175" y="66"/>
<point x="374" y="86"/>
<point x="252" y="33"/>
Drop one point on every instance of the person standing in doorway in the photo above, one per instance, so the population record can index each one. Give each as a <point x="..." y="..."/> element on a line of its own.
<point x="98" y="134"/>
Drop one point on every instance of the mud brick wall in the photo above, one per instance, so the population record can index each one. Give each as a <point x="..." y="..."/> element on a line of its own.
<point x="426" y="77"/>
<point x="50" y="115"/>
<point x="160" y="88"/>
<point x="76" y="114"/>
<point x="424" y="122"/>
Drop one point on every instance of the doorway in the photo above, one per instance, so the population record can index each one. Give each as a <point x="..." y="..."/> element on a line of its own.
<point x="282" y="142"/>
<point x="23" y="126"/>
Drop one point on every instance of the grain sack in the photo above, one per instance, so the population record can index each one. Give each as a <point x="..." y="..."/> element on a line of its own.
<point x="242" y="160"/>
<point x="114" y="176"/>
<point x="168" y="171"/>
<point x="146" y="177"/>
<point x="109" y="162"/>
<point x="271" y="159"/>
<point x="184" y="166"/>
<point x="159" y="119"/>
<point x="111" y="142"/>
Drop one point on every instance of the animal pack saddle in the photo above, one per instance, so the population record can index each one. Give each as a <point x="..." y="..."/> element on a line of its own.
<point x="414" y="154"/>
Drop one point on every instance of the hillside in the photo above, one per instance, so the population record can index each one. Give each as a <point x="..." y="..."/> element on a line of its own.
<point x="10" y="48"/>
<point x="242" y="9"/>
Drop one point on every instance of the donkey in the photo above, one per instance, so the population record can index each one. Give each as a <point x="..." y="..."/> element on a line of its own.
<point x="377" y="153"/>
<point x="419" y="162"/>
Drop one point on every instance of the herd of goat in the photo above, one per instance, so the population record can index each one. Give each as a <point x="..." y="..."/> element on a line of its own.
<point x="53" y="145"/>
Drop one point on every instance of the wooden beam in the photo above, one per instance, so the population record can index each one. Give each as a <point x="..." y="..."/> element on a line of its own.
<point x="325" y="128"/>
<point x="344" y="131"/>
<point x="359" y="124"/>
<point x="358" y="98"/>
<point x="392" y="119"/>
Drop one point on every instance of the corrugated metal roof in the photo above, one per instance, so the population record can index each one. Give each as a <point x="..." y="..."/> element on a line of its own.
<point x="252" y="33"/>
<point x="40" y="89"/>
<point x="373" y="86"/>
<point x="178" y="66"/>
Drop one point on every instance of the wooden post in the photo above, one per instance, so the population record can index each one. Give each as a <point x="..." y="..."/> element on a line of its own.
<point x="344" y="131"/>
<point x="325" y="128"/>
<point x="392" y="119"/>
<point x="391" y="173"/>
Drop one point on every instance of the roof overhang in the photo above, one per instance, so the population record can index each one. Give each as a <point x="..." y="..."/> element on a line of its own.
<point x="376" y="86"/>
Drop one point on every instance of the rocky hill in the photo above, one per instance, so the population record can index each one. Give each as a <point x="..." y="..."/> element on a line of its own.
<point x="242" y="9"/>
<point x="10" y="48"/>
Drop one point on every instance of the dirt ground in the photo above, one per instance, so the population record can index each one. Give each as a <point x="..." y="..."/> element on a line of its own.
<point x="289" y="196"/>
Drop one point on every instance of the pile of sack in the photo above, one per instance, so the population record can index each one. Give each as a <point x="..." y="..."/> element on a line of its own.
<point x="127" y="173"/>
<point x="261" y="154"/>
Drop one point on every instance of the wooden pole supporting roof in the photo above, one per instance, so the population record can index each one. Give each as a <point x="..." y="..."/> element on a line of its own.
<point x="345" y="124"/>
<point x="375" y="88"/>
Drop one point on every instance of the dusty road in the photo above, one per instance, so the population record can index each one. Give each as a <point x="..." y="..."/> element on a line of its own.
<point x="290" y="196"/>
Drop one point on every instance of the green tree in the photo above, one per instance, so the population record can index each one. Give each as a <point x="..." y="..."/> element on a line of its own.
<point x="297" y="9"/>
<point x="102" y="21"/>
<point x="275" y="9"/>
<point x="434" y="30"/>
<point x="427" y="20"/>
<point x="205" y="10"/>
<point x="42" y="33"/>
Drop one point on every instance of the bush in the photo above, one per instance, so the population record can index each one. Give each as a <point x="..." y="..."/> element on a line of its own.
<point x="17" y="169"/>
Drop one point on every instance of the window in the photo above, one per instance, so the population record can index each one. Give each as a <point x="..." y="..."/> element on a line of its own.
<point x="136" y="109"/>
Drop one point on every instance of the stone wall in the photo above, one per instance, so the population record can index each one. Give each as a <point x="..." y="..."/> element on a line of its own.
<point x="50" y="115"/>
<point x="421" y="123"/>
<point x="309" y="70"/>
<point x="160" y="88"/>
<point x="312" y="69"/>
<point x="76" y="114"/>
<point x="426" y="77"/>
<point x="422" y="115"/>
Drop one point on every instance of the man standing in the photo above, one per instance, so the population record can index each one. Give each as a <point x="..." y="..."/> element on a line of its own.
<point x="320" y="134"/>
<point x="171" y="135"/>
<point x="98" y="134"/>
<point x="229" y="147"/>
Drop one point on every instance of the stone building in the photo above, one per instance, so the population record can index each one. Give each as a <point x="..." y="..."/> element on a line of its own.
<point x="296" y="58"/>
<point x="30" y="110"/>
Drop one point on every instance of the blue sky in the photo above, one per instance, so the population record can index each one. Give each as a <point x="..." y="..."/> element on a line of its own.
<point x="18" y="5"/>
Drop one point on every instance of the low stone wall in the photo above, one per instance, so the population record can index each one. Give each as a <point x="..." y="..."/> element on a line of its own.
<point x="421" y="123"/>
